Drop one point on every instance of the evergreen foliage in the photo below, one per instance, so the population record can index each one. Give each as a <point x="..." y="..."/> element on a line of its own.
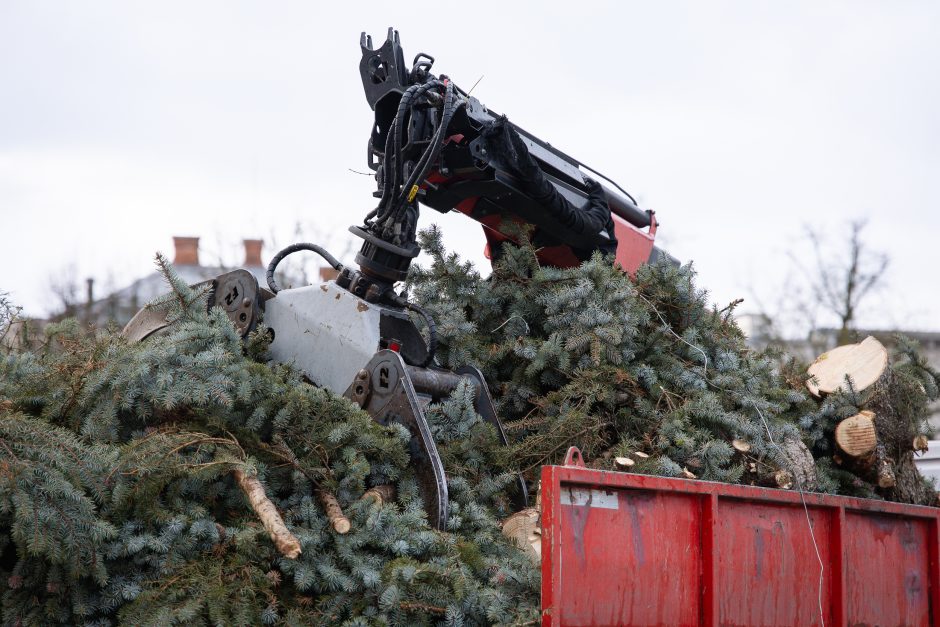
<point x="588" y="356"/>
<point x="118" y="503"/>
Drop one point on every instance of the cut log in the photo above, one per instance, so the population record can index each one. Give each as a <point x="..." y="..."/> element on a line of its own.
<point x="784" y="479"/>
<point x="641" y="455"/>
<point x="863" y="363"/>
<point x="886" y="476"/>
<point x="688" y="474"/>
<point x="856" y="436"/>
<point x="623" y="462"/>
<point x="381" y="494"/>
<point x="740" y="446"/>
<point x="286" y="543"/>
<point x="801" y="466"/>
<point x="334" y="512"/>
<point x="524" y="530"/>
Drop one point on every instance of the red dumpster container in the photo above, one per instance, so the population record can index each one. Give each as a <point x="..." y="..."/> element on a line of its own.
<point x="626" y="549"/>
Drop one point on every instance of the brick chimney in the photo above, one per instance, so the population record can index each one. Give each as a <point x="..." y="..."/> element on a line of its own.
<point x="253" y="252"/>
<point x="187" y="251"/>
<point x="328" y="273"/>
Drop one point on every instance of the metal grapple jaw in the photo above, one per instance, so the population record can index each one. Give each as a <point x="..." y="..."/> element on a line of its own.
<point x="392" y="391"/>
<point x="356" y="347"/>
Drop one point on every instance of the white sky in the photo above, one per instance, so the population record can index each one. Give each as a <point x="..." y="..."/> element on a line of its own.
<point x="124" y="123"/>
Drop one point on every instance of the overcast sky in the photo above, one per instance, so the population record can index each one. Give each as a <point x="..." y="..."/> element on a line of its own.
<point x="125" y="123"/>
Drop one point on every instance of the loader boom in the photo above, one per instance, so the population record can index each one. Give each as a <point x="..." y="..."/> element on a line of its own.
<point x="477" y="171"/>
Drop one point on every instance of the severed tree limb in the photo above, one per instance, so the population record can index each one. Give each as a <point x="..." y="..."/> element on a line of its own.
<point x="800" y="468"/>
<point x="623" y="462"/>
<point x="381" y="494"/>
<point x="286" y="543"/>
<point x="334" y="512"/>
<point x="412" y="606"/>
<point x="884" y="468"/>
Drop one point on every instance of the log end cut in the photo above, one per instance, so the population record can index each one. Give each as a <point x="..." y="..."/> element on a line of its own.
<point x="856" y="436"/>
<point x="863" y="363"/>
<point x="524" y="529"/>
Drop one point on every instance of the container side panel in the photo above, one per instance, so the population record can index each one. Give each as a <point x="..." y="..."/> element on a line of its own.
<point x="629" y="557"/>
<point x="887" y="574"/>
<point x="628" y="549"/>
<point x="768" y="573"/>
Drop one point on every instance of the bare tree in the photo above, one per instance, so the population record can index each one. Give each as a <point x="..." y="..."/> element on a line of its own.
<point x="828" y="278"/>
<point x="65" y="292"/>
<point x="840" y="282"/>
<point x="9" y="313"/>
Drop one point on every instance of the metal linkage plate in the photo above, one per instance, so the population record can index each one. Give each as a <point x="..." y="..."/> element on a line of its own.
<point x="384" y="389"/>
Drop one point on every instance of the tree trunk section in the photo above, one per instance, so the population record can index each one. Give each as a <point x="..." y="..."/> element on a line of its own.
<point x="381" y="494"/>
<point x="893" y="470"/>
<point x="864" y="363"/>
<point x="286" y="543"/>
<point x="523" y="529"/>
<point x="334" y="512"/>
<point x="856" y="436"/>
<point x="801" y="465"/>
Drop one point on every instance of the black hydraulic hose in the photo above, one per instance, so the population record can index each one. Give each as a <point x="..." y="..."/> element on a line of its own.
<point x="434" y="147"/>
<point x="391" y="185"/>
<point x="392" y="139"/>
<point x="293" y="248"/>
<point x="432" y="333"/>
<point x="391" y="155"/>
<point x="430" y="154"/>
<point x="399" y="204"/>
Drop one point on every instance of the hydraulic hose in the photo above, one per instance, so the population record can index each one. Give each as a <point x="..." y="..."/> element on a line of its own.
<point x="293" y="248"/>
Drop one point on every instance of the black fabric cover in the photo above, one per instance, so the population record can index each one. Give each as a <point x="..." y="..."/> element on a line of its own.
<point x="505" y="144"/>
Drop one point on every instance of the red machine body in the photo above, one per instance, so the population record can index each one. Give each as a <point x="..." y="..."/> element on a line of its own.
<point x="634" y="245"/>
<point x="627" y="549"/>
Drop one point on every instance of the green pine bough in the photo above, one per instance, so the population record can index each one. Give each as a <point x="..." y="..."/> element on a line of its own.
<point x="127" y="470"/>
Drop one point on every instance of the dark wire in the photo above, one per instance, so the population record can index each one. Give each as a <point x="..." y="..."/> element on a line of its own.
<point x="293" y="248"/>
<point x="391" y="154"/>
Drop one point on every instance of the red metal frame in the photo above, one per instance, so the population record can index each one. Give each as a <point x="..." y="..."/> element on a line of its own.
<point x="634" y="245"/>
<point x="620" y="548"/>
